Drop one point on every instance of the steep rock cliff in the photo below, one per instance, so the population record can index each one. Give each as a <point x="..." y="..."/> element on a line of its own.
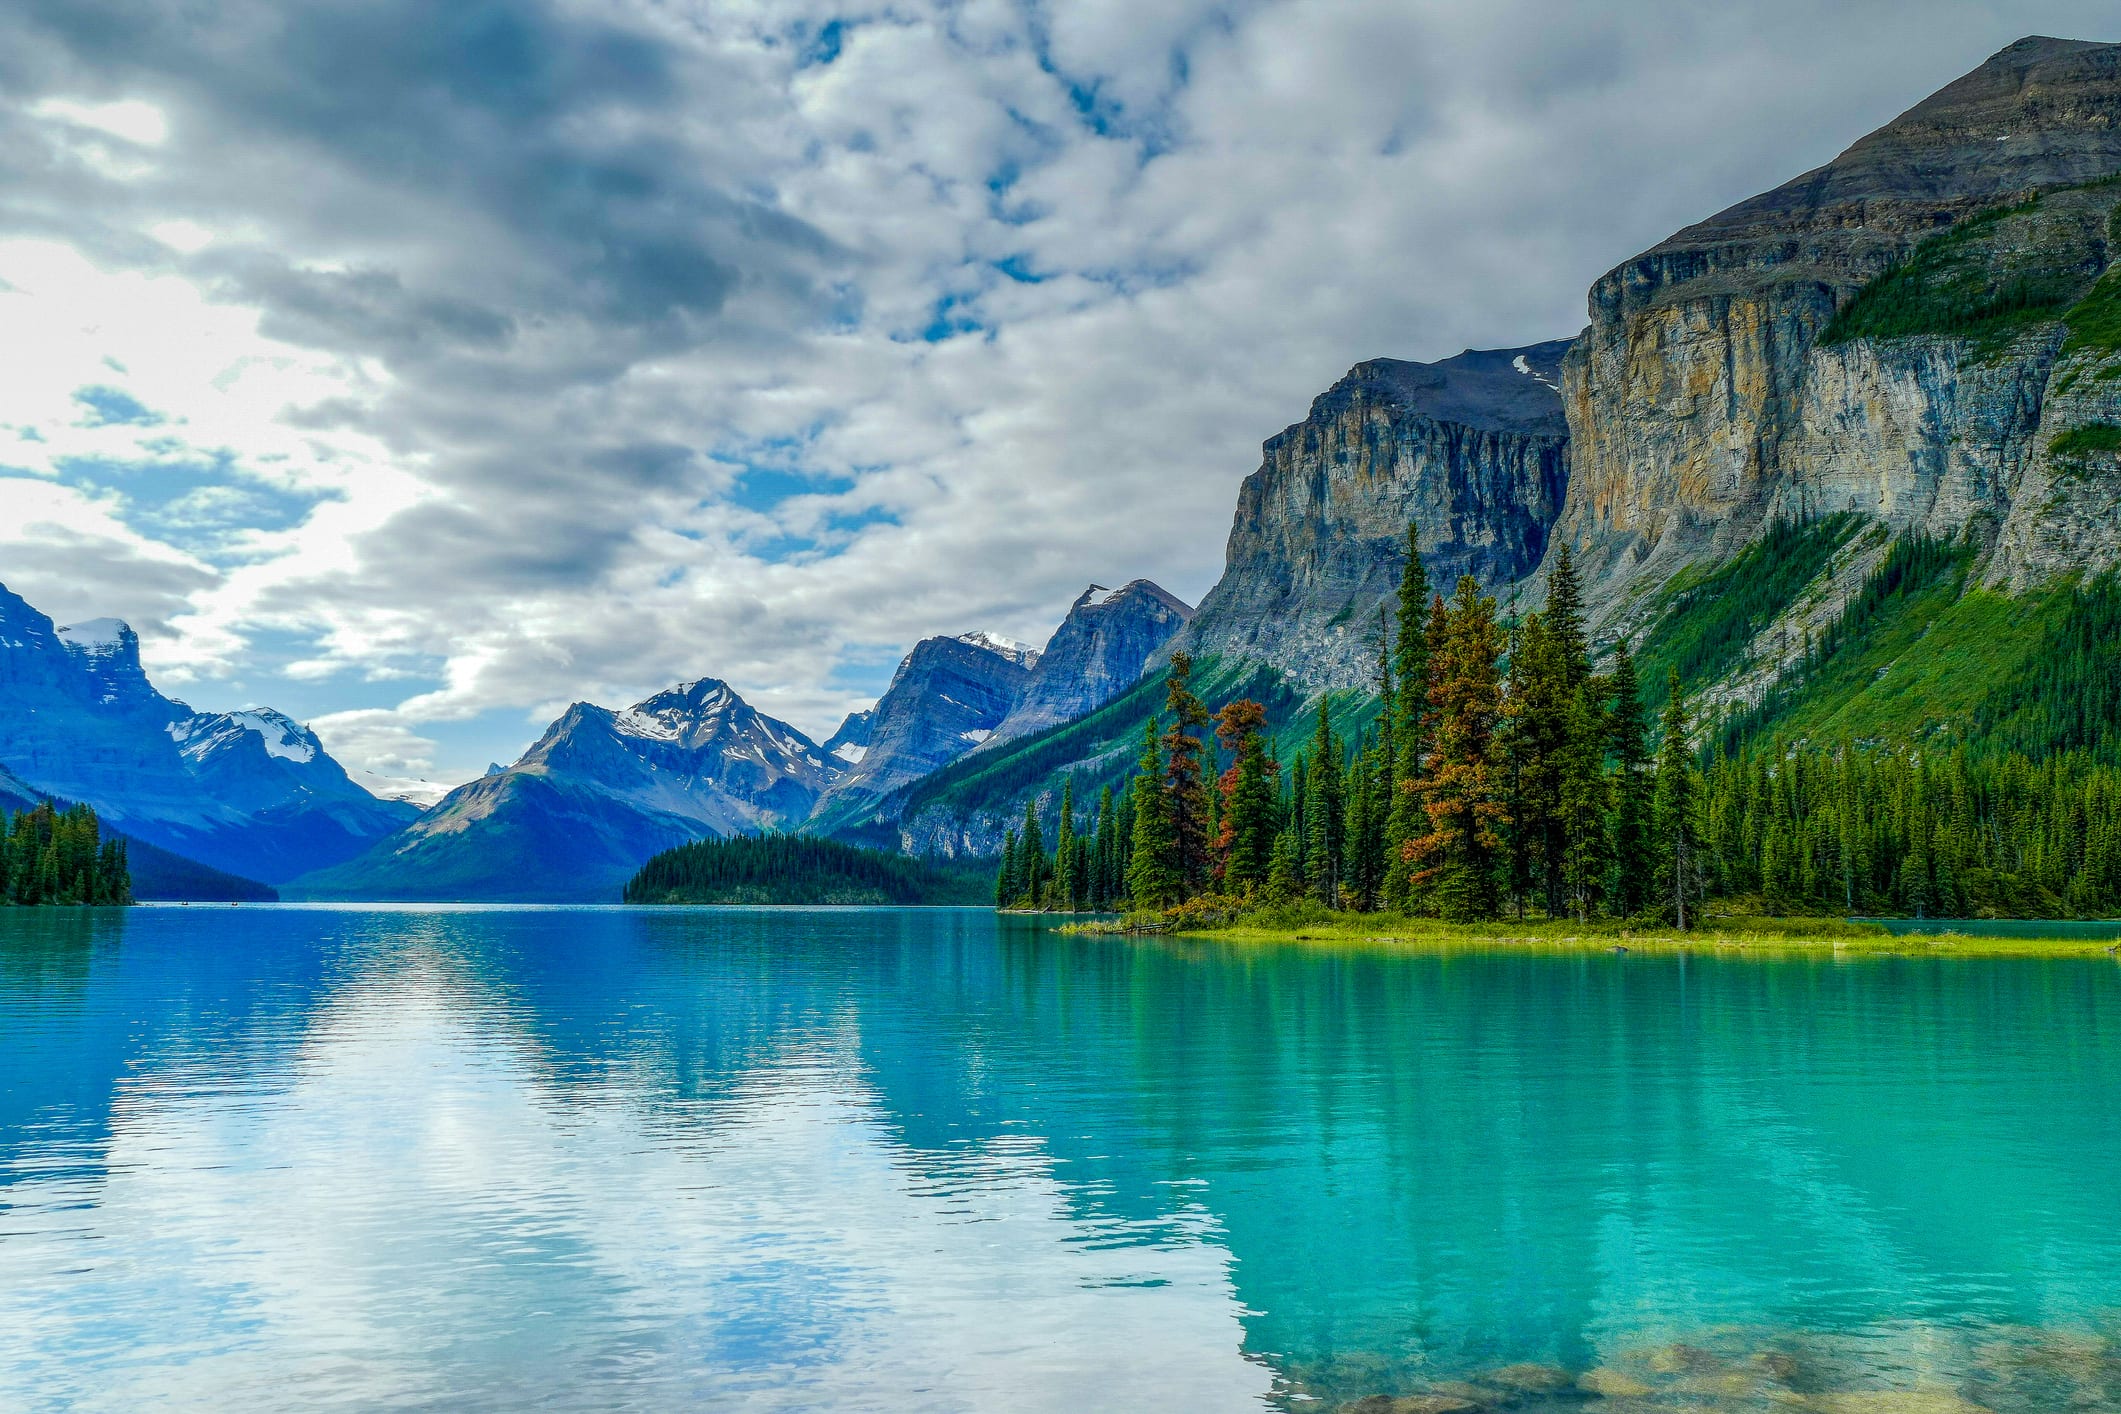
<point x="1701" y="401"/>
<point x="1473" y="449"/>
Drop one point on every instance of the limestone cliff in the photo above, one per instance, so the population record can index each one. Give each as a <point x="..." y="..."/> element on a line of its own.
<point x="1473" y="449"/>
<point x="1702" y="400"/>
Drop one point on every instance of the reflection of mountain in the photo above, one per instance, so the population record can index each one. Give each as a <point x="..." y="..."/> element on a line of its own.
<point x="1450" y="1162"/>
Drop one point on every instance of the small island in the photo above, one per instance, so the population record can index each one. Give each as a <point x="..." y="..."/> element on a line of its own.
<point x="803" y="872"/>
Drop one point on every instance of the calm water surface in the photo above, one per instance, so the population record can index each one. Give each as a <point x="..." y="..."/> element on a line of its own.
<point x="288" y="1159"/>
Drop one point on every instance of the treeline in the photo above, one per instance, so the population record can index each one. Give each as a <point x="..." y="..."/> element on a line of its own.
<point x="55" y="856"/>
<point x="799" y="869"/>
<point x="1503" y="777"/>
<point x="1500" y="775"/>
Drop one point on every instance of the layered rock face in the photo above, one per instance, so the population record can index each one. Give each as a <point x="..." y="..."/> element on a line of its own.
<point x="598" y="794"/>
<point x="1473" y="449"/>
<point x="948" y="696"/>
<point x="1110" y="638"/>
<point x="1701" y="402"/>
<point x="248" y="792"/>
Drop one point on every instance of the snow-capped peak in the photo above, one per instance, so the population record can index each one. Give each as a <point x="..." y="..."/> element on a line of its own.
<point x="282" y="737"/>
<point x="667" y="715"/>
<point x="1022" y="654"/>
<point x="96" y="637"/>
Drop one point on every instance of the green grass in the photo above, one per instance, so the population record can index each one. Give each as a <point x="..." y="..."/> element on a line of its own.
<point x="1709" y="620"/>
<point x="2091" y="437"/>
<point x="1723" y="934"/>
<point x="1998" y="273"/>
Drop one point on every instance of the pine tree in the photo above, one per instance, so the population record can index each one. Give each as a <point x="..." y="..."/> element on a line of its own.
<point x="1456" y="858"/>
<point x="1407" y="708"/>
<point x="1324" y="813"/>
<point x="1583" y="804"/>
<point x="1066" y="878"/>
<point x="1633" y="786"/>
<point x="1245" y="845"/>
<point x="1678" y="833"/>
<point x="1007" y="882"/>
<point x="1564" y="616"/>
<point x="1031" y="857"/>
<point x="1152" y="882"/>
<point x="1185" y="798"/>
<point x="1285" y="880"/>
<point x="1101" y="888"/>
<point x="1535" y="740"/>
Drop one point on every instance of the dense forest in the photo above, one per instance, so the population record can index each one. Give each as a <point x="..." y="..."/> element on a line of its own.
<point x="55" y="856"/>
<point x="1502" y="776"/>
<point x="791" y="869"/>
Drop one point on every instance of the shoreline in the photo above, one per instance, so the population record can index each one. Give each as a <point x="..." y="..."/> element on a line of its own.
<point x="1718" y="936"/>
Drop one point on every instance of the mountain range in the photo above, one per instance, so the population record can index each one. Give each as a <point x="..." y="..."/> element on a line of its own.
<point x="250" y="793"/>
<point x="1918" y="342"/>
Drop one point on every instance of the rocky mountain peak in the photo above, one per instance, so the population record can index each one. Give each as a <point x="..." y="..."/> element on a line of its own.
<point x="1110" y="638"/>
<point x="1472" y="448"/>
<point x="1021" y="654"/>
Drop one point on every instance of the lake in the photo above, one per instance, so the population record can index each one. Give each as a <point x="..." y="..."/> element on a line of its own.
<point x="487" y="1159"/>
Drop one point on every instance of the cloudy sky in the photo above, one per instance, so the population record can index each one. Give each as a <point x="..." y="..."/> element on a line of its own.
<point x="419" y="368"/>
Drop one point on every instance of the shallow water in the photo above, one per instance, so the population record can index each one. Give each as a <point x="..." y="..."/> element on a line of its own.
<point x="288" y="1158"/>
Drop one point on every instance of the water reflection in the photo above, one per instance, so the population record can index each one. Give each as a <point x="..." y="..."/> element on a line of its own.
<point x="934" y="1160"/>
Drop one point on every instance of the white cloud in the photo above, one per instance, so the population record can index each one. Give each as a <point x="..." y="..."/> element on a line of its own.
<point x="487" y="342"/>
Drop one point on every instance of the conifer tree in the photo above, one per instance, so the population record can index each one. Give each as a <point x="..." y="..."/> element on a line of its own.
<point x="1582" y="806"/>
<point x="1031" y="857"/>
<point x="1245" y="845"/>
<point x="1457" y="857"/>
<point x="1007" y="883"/>
<point x="1151" y="881"/>
<point x="1564" y="616"/>
<point x="1633" y="785"/>
<point x="1324" y="813"/>
<point x="1066" y="883"/>
<point x="1185" y="798"/>
<point x="1101" y="889"/>
<point x="1408" y="709"/>
<point x="1285" y="880"/>
<point x="1678" y="834"/>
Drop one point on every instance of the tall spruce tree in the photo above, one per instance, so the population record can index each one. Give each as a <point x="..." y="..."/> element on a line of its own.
<point x="1185" y="796"/>
<point x="1564" y="616"/>
<point x="1325" y="816"/>
<point x="1035" y="868"/>
<point x="1151" y="881"/>
<point x="1678" y="833"/>
<point x="1582" y="805"/>
<point x="1457" y="857"/>
<point x="1246" y="842"/>
<point x="1067" y="880"/>
<point x="1006" y="886"/>
<point x="1628" y="740"/>
<point x="1101" y="873"/>
<point x="1408" y="709"/>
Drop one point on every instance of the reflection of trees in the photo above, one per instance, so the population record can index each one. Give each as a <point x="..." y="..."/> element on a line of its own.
<point x="1463" y="1159"/>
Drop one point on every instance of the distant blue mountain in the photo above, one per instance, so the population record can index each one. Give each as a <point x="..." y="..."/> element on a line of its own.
<point x="251" y="793"/>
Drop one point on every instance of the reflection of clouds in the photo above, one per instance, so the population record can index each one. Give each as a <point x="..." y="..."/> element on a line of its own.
<point x="410" y="1217"/>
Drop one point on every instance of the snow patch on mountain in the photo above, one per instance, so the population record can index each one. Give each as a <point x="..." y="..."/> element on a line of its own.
<point x="1022" y="654"/>
<point x="95" y="636"/>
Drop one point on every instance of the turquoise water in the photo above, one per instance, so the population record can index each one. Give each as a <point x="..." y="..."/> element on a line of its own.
<point x="293" y="1159"/>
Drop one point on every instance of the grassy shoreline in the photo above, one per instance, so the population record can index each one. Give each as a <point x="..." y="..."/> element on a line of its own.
<point x="1720" y="935"/>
